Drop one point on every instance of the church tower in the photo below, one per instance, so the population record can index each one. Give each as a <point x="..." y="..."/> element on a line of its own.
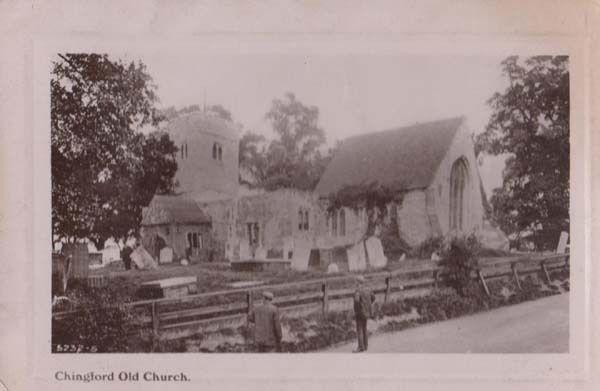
<point x="207" y="160"/>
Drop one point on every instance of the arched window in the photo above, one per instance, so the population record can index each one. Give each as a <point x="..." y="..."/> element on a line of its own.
<point x="342" y="223"/>
<point x="184" y="151"/>
<point x="459" y="179"/>
<point x="300" y="218"/>
<point x="217" y="152"/>
<point x="306" y="220"/>
<point x="334" y="223"/>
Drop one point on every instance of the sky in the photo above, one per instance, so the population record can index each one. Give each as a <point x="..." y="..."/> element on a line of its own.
<point x="355" y="93"/>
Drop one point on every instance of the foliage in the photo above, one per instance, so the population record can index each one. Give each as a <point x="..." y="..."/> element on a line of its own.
<point x="426" y="248"/>
<point x="102" y="323"/>
<point x="373" y="197"/>
<point x="530" y="123"/>
<point x="459" y="260"/>
<point x="294" y="158"/>
<point x="104" y="170"/>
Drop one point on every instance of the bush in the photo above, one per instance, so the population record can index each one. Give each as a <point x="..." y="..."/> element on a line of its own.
<point x="102" y="323"/>
<point x="459" y="261"/>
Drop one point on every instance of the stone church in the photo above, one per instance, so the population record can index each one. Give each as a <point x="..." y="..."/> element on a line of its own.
<point x="214" y="218"/>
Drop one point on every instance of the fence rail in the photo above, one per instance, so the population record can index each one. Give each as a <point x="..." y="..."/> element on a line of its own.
<point x="321" y="292"/>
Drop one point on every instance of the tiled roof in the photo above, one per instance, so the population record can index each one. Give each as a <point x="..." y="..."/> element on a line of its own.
<point x="403" y="158"/>
<point x="167" y="209"/>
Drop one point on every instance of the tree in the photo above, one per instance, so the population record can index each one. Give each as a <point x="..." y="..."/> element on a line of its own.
<point x="530" y="123"/>
<point x="104" y="169"/>
<point x="293" y="159"/>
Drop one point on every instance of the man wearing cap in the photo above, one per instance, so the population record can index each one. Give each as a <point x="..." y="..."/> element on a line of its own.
<point x="363" y="310"/>
<point x="267" y="327"/>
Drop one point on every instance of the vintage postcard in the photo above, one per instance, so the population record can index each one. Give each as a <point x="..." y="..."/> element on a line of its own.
<point x="322" y="210"/>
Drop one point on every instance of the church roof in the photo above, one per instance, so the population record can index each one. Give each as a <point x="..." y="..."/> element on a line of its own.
<point x="167" y="209"/>
<point x="404" y="158"/>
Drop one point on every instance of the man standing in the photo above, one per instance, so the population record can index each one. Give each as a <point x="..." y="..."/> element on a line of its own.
<point x="267" y="327"/>
<point x="363" y="310"/>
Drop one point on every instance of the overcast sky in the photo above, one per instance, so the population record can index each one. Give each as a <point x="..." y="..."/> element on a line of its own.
<point x="354" y="93"/>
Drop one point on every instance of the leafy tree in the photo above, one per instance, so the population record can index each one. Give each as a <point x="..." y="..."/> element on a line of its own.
<point x="104" y="170"/>
<point x="253" y="159"/>
<point x="293" y="159"/>
<point x="530" y="123"/>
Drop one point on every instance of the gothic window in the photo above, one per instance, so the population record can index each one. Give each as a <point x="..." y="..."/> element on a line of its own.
<point x="184" y="151"/>
<point x="217" y="152"/>
<point x="194" y="243"/>
<point x="334" y="223"/>
<point x="459" y="178"/>
<point x="302" y="219"/>
<point x="342" y="223"/>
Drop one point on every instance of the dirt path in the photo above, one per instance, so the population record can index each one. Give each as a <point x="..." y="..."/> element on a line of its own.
<point x="540" y="326"/>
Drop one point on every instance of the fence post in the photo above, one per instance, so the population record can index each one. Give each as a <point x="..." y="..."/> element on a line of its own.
<point x="155" y="320"/>
<point x="325" y="290"/>
<point x="513" y="267"/>
<point x="249" y="301"/>
<point x="483" y="283"/>
<point x="545" y="270"/>
<point x="388" y="289"/>
<point x="435" y="278"/>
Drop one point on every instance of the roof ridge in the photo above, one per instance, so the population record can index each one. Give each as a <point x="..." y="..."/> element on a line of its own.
<point x="377" y="132"/>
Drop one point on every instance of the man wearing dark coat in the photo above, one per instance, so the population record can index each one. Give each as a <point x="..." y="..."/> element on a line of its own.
<point x="363" y="310"/>
<point x="267" y="326"/>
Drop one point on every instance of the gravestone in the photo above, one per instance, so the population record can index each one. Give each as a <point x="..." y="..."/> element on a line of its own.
<point x="245" y="251"/>
<point x="375" y="252"/>
<point x="563" y="245"/>
<point x="166" y="255"/>
<point x="170" y="288"/>
<point x="356" y="257"/>
<point x="333" y="268"/>
<point x="301" y="255"/>
<point x="142" y="259"/>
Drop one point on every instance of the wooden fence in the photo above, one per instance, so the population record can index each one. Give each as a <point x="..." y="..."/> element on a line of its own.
<point x="163" y="314"/>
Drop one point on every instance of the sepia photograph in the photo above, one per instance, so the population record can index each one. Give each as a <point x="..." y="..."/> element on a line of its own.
<point x="309" y="203"/>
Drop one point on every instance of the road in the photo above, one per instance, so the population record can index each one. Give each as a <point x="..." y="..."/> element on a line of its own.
<point x="540" y="326"/>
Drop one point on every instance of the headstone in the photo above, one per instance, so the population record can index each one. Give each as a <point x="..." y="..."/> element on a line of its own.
<point x="403" y="257"/>
<point x="245" y="251"/>
<point x="333" y="268"/>
<point x="301" y="255"/>
<point x="142" y="259"/>
<point x="166" y="255"/>
<point x="435" y="256"/>
<point x="375" y="252"/>
<point x="562" y="243"/>
<point x="80" y="258"/>
<point x="110" y="254"/>
<point x="184" y="262"/>
<point x="356" y="257"/>
<point x="260" y="253"/>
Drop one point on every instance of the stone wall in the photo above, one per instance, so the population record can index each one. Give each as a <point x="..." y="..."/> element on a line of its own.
<point x="175" y="236"/>
<point x="276" y="215"/>
<point x="198" y="171"/>
<point x="461" y="148"/>
<point x="413" y="220"/>
<point x="222" y="214"/>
